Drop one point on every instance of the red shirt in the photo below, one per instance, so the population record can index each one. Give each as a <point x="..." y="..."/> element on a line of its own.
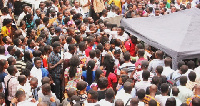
<point x="88" y="50"/>
<point x="112" y="78"/>
<point x="130" y="47"/>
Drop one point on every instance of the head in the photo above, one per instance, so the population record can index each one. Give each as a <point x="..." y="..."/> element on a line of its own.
<point x="3" y="65"/>
<point x="31" y="43"/>
<point x="127" y="56"/>
<point x="7" y="40"/>
<point x="159" y="54"/>
<point x="12" y="70"/>
<point x="196" y="101"/>
<point x="145" y="75"/>
<point x="2" y="50"/>
<point x="71" y="92"/>
<point x="11" y="50"/>
<point x="56" y="47"/>
<point x="190" y="64"/>
<point x="20" y="95"/>
<point x="159" y="70"/>
<point x="168" y="61"/>
<point x="92" y="96"/>
<point x="34" y="83"/>
<point x="110" y="95"/>
<point x="2" y="98"/>
<point x="175" y="91"/>
<point x="123" y="79"/>
<point x="119" y="102"/>
<point x="180" y="63"/>
<point x="183" y="69"/>
<point x="22" y="79"/>
<point x="127" y="87"/>
<point x="38" y="62"/>
<point x="124" y="71"/>
<point x="72" y="48"/>
<point x="19" y="54"/>
<point x="192" y="76"/>
<point x="134" y="101"/>
<point x="157" y="12"/>
<point x="140" y="94"/>
<point x="171" y="102"/>
<point x="11" y="61"/>
<point x="74" y="62"/>
<point x="81" y="86"/>
<point x="183" y="80"/>
<point x="45" y="80"/>
<point x="173" y="9"/>
<point x="120" y="30"/>
<point x="46" y="89"/>
<point x="164" y="88"/>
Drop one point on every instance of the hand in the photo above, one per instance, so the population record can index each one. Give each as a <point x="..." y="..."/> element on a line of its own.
<point x="33" y="100"/>
<point x="61" y="61"/>
<point x="52" y="99"/>
<point x="14" y="100"/>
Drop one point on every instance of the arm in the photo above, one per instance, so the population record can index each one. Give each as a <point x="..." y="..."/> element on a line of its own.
<point x="51" y="66"/>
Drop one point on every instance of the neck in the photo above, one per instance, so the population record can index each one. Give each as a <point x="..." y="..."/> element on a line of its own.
<point x="82" y="92"/>
<point x="152" y="94"/>
<point x="22" y="84"/>
<point x="102" y="89"/>
<point x="126" y="61"/>
<point x="159" y="75"/>
<point x="164" y="94"/>
<point x="145" y="79"/>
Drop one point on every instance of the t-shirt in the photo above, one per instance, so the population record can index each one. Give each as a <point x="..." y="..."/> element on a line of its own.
<point x="162" y="99"/>
<point x="101" y="95"/>
<point x="2" y="76"/>
<point x="84" y="74"/>
<point x="112" y="78"/>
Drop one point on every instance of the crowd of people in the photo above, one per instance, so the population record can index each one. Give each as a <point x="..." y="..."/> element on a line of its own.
<point x="65" y="53"/>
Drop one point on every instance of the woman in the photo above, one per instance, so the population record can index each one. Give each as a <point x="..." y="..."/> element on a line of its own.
<point x="3" y="66"/>
<point x="73" y="74"/>
<point x="89" y="74"/>
<point x="109" y="63"/>
<point x="28" y="59"/>
<point x="6" y="29"/>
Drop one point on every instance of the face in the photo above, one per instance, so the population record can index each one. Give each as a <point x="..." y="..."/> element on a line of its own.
<point x="173" y="9"/>
<point x="90" y="20"/>
<point x="6" y="65"/>
<point x="117" y="56"/>
<point x="60" y="17"/>
<point x="107" y="46"/>
<point x="33" y="84"/>
<point x="119" y="31"/>
<point x="38" y="12"/>
<point x="38" y="63"/>
<point x="52" y="31"/>
<point x="32" y="43"/>
<point x="57" y="49"/>
<point x="140" y="5"/>
<point x="9" y="39"/>
<point x="157" y="12"/>
<point x="24" y="26"/>
<point x="120" y="81"/>
<point x="76" y="4"/>
<point x="42" y="5"/>
<point x="67" y="13"/>
<point x="161" y="5"/>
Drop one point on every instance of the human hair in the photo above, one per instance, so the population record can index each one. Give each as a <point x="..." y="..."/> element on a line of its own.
<point x="74" y="62"/>
<point x="155" y="80"/>
<point x="127" y="56"/>
<point x="145" y="75"/>
<point x="191" y="64"/>
<point x="127" y="87"/>
<point x="171" y="101"/>
<point x="71" y="92"/>
<point x="74" y="98"/>
<point x="124" y="78"/>
<point x="119" y="102"/>
<point x="37" y="22"/>
<point x="159" y="69"/>
<point x="47" y="47"/>
<point x="11" y="69"/>
<point x="55" y="44"/>
<point x="81" y="85"/>
<point x="6" y="21"/>
<point x="183" y="80"/>
<point x="92" y="54"/>
<point x="2" y="49"/>
<point x="196" y="101"/>
<point x="134" y="101"/>
<point x="192" y="76"/>
<point x="180" y="63"/>
<point x="46" y="87"/>
<point x="10" y="48"/>
<point x="29" y="42"/>
<point x="184" y="69"/>
<point x="27" y="18"/>
<point x="26" y="72"/>
<point x="168" y="61"/>
<point x="17" y="53"/>
<point x="27" y="56"/>
<point x="109" y="64"/>
<point x="66" y="20"/>
<point x="159" y="54"/>
<point x="19" y="94"/>
<point x="2" y="64"/>
<point x="94" y="94"/>
<point x="37" y="53"/>
<point x="81" y="45"/>
<point x="10" y="60"/>
<point x="152" y="103"/>
<point x="175" y="91"/>
<point x="36" y="59"/>
<point x="139" y="46"/>
<point x="100" y="47"/>
<point x="45" y="80"/>
<point x="2" y="95"/>
<point x="102" y="82"/>
<point x="151" y="9"/>
<point x="90" y="67"/>
<point x="141" y="52"/>
<point x="21" y="78"/>
<point x="98" y="72"/>
<point x="34" y="79"/>
<point x="141" y="94"/>
<point x="71" y="47"/>
<point x="78" y="38"/>
<point x="164" y="88"/>
<point x="58" y="13"/>
<point x="109" y="94"/>
<point x="69" y="39"/>
<point x="4" y="39"/>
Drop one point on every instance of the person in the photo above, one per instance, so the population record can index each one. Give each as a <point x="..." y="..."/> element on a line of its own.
<point x="72" y="74"/>
<point x="2" y="98"/>
<point x="90" y="41"/>
<point x="140" y="54"/>
<point x="7" y="41"/>
<point x="167" y="68"/>
<point x="81" y="90"/>
<point x="102" y="85"/>
<point x="163" y="97"/>
<point x="134" y="101"/>
<point x="171" y="102"/>
<point x="156" y="62"/>
<point x="196" y="94"/>
<point x="70" y="52"/>
<point x="55" y="68"/>
<point x="127" y="95"/>
<point x="121" y="34"/>
<point x="130" y="45"/>
<point x="3" y="66"/>
<point x="47" y="95"/>
<point x="89" y="74"/>
<point x="37" y="71"/>
<point x="11" y="83"/>
<point x="175" y="92"/>
<point x="92" y="98"/>
<point x="6" y="29"/>
<point x="184" y="91"/>
<point x="141" y="94"/>
<point x="2" y="53"/>
<point x="192" y="80"/>
<point x="34" y="87"/>
<point x="109" y="98"/>
<point x="19" y="63"/>
<point x="145" y="83"/>
<point x="23" y="86"/>
<point x="70" y="93"/>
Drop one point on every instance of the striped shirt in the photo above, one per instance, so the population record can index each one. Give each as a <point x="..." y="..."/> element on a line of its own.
<point x="130" y="66"/>
<point x="20" y="65"/>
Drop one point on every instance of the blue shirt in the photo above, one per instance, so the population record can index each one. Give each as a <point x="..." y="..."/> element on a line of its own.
<point x="2" y="76"/>
<point x="175" y="75"/>
<point x="84" y="74"/>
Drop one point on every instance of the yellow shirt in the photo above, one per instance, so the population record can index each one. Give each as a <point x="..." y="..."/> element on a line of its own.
<point x="117" y="3"/>
<point x="5" y="31"/>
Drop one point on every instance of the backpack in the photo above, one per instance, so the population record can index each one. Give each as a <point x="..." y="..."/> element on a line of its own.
<point x="172" y="82"/>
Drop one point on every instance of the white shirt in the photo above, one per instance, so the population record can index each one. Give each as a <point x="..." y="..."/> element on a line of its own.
<point x="82" y="3"/>
<point x="21" y="16"/>
<point x="167" y="71"/>
<point x="103" y="102"/>
<point x="38" y="74"/>
<point x="123" y="38"/>
<point x="67" y="55"/>
<point x="142" y="85"/>
<point x="184" y="93"/>
<point x="154" y="63"/>
<point x="3" y="57"/>
<point x="178" y="101"/>
<point x="78" y="10"/>
<point x="161" y="99"/>
<point x="111" y="14"/>
<point x="27" y="89"/>
<point x="141" y="103"/>
<point x="26" y="103"/>
<point x="124" y="97"/>
<point x="66" y="47"/>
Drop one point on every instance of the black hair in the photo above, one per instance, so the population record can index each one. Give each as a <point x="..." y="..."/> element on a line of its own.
<point x="47" y="47"/>
<point x="45" y="19"/>
<point x="196" y="101"/>
<point x="78" y="38"/>
<point x="78" y="22"/>
<point x="139" y="46"/>
<point x="4" y="39"/>
<point x="127" y="56"/>
<point x="171" y="101"/>
<point x="175" y="91"/>
<point x="19" y="94"/>
<point x="71" y="47"/>
<point x="183" y="80"/>
<point x="100" y="47"/>
<point x="124" y="78"/>
<point x="36" y="59"/>
<point x="109" y="64"/>
<point x="159" y="69"/>
<point x="27" y="18"/>
<point x="109" y="94"/>
<point x="129" y="5"/>
<point x="82" y="45"/>
<point x="26" y="72"/>
<point x="102" y="82"/>
<point x="66" y="20"/>
<point x="164" y="87"/>
<point x="2" y="95"/>
<point x="6" y="21"/>
<point x="141" y="94"/>
<point x="46" y="87"/>
<point x="54" y="39"/>
<point x="168" y="61"/>
<point x="2" y="64"/>
<point x="71" y="92"/>
<point x="16" y="41"/>
<point x="10" y="60"/>
<point x="37" y="53"/>
<point x="192" y="76"/>
<point x="94" y="94"/>
<point x="121" y="27"/>
<point x="97" y="51"/>
<point x="10" y="48"/>
<point x="2" y="49"/>
<point x="21" y="78"/>
<point x="17" y="53"/>
<point x="127" y="87"/>
<point x="27" y="56"/>
<point x="152" y="103"/>
<point x="150" y="9"/>
<point x="37" y="22"/>
<point x="45" y="80"/>
<point x="92" y="54"/>
<point x="141" y="52"/>
<point x="29" y="41"/>
<point x="58" y="13"/>
<point x="184" y="69"/>
<point x="180" y="63"/>
<point x="69" y="40"/>
<point x="81" y="85"/>
<point x="145" y="74"/>
<point x="90" y="67"/>
<point x="55" y="44"/>
<point x="98" y="72"/>
<point x="74" y="62"/>
<point x="155" y="80"/>
<point x="191" y="64"/>
<point x="11" y="69"/>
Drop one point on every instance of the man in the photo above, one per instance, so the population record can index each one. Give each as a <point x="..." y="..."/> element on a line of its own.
<point x="70" y="53"/>
<point x="184" y="91"/>
<point x="121" y="34"/>
<point x="127" y="95"/>
<point x="130" y="45"/>
<point x="140" y="94"/>
<point x="20" y="96"/>
<point x="11" y="82"/>
<point x="7" y="41"/>
<point x="156" y="62"/>
<point x="77" y="7"/>
<point x="145" y="83"/>
<point x="59" y="20"/>
<point x="109" y="98"/>
<point x="37" y="71"/>
<point x="19" y="63"/>
<point x="196" y="94"/>
<point x="21" y="16"/>
<point x="55" y="67"/>
<point x="31" y="44"/>
<point x="37" y="14"/>
<point x="140" y="54"/>
<point x="167" y="68"/>
<point x="191" y="83"/>
<point x="124" y="6"/>
<point x="47" y="95"/>
<point x="2" y="53"/>
<point x="175" y="92"/>
<point x="92" y="98"/>
<point x="163" y="97"/>
<point x="34" y="87"/>
<point x="90" y="42"/>
<point x="85" y="7"/>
